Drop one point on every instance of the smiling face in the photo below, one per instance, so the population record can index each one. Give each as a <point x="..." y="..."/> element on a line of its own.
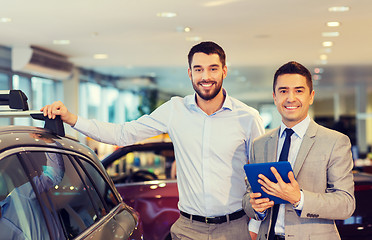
<point x="292" y="97"/>
<point x="207" y="74"/>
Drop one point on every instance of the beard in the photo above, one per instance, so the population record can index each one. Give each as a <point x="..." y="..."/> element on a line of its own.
<point x="208" y="95"/>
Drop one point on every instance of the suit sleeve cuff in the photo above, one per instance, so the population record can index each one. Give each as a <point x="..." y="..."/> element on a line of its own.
<point x="254" y="225"/>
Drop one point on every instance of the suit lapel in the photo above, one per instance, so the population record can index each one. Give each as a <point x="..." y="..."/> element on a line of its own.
<point x="305" y="147"/>
<point x="272" y="146"/>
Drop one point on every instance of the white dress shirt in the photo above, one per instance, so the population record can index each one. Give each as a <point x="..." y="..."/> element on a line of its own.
<point x="296" y="140"/>
<point x="210" y="150"/>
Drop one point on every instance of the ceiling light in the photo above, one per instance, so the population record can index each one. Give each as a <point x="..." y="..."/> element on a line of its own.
<point x="219" y="3"/>
<point x="61" y="42"/>
<point x="333" y="24"/>
<point x="323" y="57"/>
<point x="339" y="9"/>
<point x="166" y="14"/>
<point x="326" y="50"/>
<point x="318" y="70"/>
<point x="100" y="56"/>
<point x="330" y="34"/>
<point x="317" y="77"/>
<point x="182" y="29"/>
<point x="327" y="44"/>
<point x="193" y="39"/>
<point x="5" y="20"/>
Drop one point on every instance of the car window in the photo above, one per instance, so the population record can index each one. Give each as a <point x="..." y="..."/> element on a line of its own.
<point x="10" y="169"/>
<point x="72" y="196"/>
<point x="123" y="224"/>
<point x="22" y="217"/>
<point x="157" y="162"/>
<point x="103" y="188"/>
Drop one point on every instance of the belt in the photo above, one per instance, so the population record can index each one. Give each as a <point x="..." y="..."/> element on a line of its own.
<point x="279" y="237"/>
<point x="215" y="220"/>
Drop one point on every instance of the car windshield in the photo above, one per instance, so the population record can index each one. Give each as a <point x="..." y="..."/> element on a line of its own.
<point x="143" y="165"/>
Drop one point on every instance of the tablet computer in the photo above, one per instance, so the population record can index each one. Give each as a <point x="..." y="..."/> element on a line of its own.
<point x="252" y="171"/>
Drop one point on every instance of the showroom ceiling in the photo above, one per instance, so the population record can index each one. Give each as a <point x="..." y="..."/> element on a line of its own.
<point x="137" y="38"/>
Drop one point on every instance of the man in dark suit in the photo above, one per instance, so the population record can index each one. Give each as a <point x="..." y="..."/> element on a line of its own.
<point x="321" y="187"/>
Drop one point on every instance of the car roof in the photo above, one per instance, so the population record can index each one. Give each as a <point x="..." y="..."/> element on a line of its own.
<point x="151" y="146"/>
<point x="12" y="136"/>
<point x="21" y="136"/>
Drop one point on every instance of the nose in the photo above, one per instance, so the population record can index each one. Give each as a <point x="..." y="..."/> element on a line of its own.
<point x="291" y="96"/>
<point x="205" y="75"/>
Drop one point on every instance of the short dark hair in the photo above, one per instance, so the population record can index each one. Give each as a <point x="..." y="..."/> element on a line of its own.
<point x="294" y="68"/>
<point x="207" y="48"/>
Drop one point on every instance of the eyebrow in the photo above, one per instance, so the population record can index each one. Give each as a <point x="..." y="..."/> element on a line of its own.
<point x="300" y="87"/>
<point x="212" y="65"/>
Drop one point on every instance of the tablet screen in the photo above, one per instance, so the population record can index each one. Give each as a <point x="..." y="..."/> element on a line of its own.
<point x="254" y="169"/>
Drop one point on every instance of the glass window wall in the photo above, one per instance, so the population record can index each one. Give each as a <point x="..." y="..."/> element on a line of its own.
<point x="4" y="85"/>
<point x="90" y="100"/>
<point x="23" y="83"/>
<point x="44" y="91"/>
<point x="107" y="103"/>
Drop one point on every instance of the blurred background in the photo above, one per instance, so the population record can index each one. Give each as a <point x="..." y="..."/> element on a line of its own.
<point x="116" y="60"/>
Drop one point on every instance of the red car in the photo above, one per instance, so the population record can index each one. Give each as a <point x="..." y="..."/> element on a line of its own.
<point x="142" y="182"/>
<point x="142" y="174"/>
<point x="156" y="201"/>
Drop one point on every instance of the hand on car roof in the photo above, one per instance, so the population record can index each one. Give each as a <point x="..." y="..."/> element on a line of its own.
<point x="58" y="108"/>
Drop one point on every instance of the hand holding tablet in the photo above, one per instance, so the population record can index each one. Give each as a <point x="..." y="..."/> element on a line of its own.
<point x="254" y="169"/>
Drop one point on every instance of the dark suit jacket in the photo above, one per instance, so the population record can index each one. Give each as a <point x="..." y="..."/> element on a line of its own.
<point x="323" y="169"/>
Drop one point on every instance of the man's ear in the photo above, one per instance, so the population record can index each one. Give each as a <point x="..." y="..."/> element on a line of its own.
<point x="274" y="98"/>
<point x="189" y="72"/>
<point x="224" y="71"/>
<point x="312" y="97"/>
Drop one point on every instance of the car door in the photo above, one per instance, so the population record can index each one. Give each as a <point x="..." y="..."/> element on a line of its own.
<point x="62" y="200"/>
<point x="120" y="221"/>
<point x="84" y="201"/>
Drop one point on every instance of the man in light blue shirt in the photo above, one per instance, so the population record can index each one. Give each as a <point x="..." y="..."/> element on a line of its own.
<point x="211" y="133"/>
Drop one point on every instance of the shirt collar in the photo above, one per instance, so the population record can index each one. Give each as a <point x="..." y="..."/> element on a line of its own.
<point x="190" y="101"/>
<point x="299" y="129"/>
<point x="227" y="104"/>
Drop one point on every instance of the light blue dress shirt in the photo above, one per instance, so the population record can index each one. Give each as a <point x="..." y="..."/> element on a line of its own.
<point x="210" y="150"/>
